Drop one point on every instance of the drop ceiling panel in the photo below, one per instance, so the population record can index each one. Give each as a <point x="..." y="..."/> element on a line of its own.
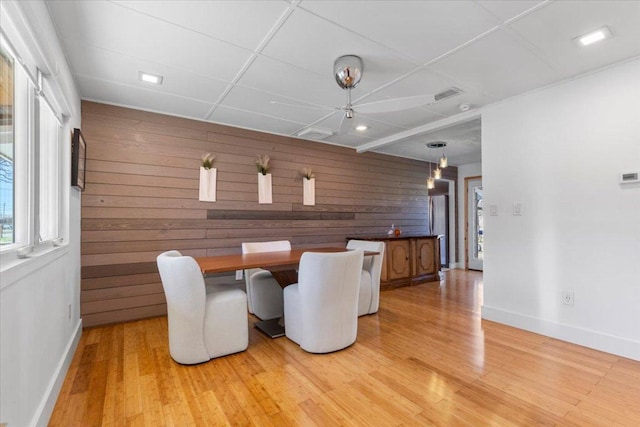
<point x="348" y="140"/>
<point x="250" y="120"/>
<point x="270" y="75"/>
<point x="113" y="27"/>
<point x="506" y="10"/>
<point x="463" y="144"/>
<point x="265" y="103"/>
<point x="407" y="119"/>
<point x="245" y="54"/>
<point x="136" y="97"/>
<point x="241" y="23"/>
<point x="111" y="66"/>
<point x="376" y="129"/>
<point x="553" y="28"/>
<point x="313" y="44"/>
<point x="420" y="82"/>
<point x="451" y="106"/>
<point x="482" y="66"/>
<point x="422" y="30"/>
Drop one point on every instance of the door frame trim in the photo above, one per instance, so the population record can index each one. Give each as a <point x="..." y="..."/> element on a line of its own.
<point x="466" y="218"/>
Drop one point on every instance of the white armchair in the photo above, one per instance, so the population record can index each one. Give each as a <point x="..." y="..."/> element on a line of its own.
<point x="321" y="310"/>
<point x="203" y="323"/>
<point x="369" y="298"/>
<point x="264" y="294"/>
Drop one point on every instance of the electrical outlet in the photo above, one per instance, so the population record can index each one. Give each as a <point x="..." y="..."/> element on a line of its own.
<point x="493" y="210"/>
<point x="567" y="297"/>
<point x="239" y="274"/>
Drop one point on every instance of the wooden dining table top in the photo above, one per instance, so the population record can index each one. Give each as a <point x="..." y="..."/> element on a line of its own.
<point x="267" y="260"/>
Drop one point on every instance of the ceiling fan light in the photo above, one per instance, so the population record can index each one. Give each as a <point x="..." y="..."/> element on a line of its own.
<point x="443" y="162"/>
<point x="348" y="71"/>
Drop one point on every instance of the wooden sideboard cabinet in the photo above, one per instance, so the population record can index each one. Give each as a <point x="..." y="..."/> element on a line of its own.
<point x="408" y="260"/>
<point x="398" y="259"/>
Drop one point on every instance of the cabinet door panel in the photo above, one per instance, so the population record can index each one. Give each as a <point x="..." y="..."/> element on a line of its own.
<point x="399" y="265"/>
<point x="384" y="276"/>
<point x="427" y="261"/>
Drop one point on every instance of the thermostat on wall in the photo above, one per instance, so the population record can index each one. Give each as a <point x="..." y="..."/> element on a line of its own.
<point x="629" y="177"/>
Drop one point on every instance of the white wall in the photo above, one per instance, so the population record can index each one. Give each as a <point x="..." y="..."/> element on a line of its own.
<point x="559" y="151"/>
<point x="464" y="171"/>
<point x="37" y="335"/>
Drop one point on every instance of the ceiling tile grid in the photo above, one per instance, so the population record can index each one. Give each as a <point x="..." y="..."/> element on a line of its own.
<point x="267" y="65"/>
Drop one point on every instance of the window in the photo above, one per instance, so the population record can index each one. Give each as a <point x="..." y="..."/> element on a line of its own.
<point x="6" y="149"/>
<point x="30" y="178"/>
<point x="48" y="190"/>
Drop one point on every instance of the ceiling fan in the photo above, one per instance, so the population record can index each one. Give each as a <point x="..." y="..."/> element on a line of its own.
<point x="348" y="71"/>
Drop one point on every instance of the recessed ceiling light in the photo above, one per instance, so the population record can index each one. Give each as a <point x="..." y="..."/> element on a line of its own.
<point x="361" y="128"/>
<point x="593" y="36"/>
<point x="150" y="78"/>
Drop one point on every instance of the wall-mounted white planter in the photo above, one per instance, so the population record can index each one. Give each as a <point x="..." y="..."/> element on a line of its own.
<point x="309" y="191"/>
<point x="208" y="184"/>
<point x="264" y="189"/>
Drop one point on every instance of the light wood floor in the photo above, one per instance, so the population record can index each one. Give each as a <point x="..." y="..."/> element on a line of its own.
<point x="426" y="358"/>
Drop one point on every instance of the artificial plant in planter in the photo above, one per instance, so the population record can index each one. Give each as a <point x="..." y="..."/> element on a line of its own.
<point x="264" y="180"/>
<point x="208" y="177"/>
<point x="308" y="187"/>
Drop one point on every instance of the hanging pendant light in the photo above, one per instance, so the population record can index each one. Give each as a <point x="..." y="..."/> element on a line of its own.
<point x="443" y="161"/>
<point x="431" y="183"/>
<point x="437" y="173"/>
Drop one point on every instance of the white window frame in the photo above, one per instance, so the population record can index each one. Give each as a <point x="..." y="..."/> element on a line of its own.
<point x="27" y="144"/>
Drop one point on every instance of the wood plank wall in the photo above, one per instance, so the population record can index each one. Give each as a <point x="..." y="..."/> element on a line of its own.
<point x="141" y="198"/>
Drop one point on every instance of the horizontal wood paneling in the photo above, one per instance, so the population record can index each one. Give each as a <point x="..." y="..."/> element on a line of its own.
<point x="141" y="198"/>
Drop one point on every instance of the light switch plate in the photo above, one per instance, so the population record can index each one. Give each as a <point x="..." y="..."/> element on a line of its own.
<point x="517" y="209"/>
<point x="239" y="274"/>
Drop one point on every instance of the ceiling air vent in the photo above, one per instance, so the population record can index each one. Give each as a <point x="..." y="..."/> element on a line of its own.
<point x="315" y="133"/>
<point x="452" y="91"/>
<point x="629" y="177"/>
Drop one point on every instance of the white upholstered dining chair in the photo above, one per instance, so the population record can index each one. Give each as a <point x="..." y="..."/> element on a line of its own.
<point x="369" y="297"/>
<point x="264" y="294"/>
<point x="203" y="323"/>
<point x="321" y="310"/>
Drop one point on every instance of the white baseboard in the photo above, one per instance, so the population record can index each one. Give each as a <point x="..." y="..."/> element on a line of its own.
<point x="585" y="337"/>
<point x="43" y="414"/>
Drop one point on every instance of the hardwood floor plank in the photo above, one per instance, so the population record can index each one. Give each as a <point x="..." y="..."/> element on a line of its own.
<point x="426" y="358"/>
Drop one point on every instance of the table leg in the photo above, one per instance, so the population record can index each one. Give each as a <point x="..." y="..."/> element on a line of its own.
<point x="274" y="328"/>
<point x="271" y="327"/>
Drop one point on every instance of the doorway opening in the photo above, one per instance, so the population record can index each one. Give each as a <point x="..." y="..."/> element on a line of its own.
<point x="442" y="219"/>
<point x="474" y="224"/>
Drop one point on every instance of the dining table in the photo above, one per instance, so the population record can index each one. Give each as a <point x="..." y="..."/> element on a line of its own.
<point x="283" y="266"/>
